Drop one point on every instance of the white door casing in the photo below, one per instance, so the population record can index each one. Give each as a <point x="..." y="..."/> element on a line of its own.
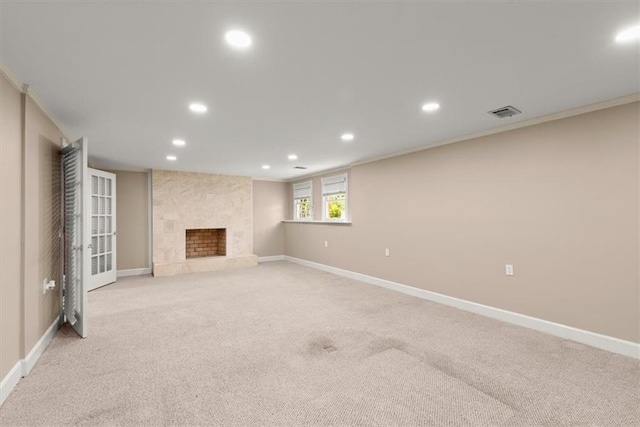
<point x="102" y="219"/>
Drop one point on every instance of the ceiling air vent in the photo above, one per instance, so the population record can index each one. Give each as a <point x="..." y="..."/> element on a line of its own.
<point x="299" y="167"/>
<point x="507" y="111"/>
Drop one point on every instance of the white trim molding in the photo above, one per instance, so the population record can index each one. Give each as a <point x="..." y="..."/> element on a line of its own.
<point x="10" y="381"/>
<point x="133" y="272"/>
<point x="315" y="221"/>
<point x="627" y="99"/>
<point x="270" y="258"/>
<point x="24" y="88"/>
<point x="257" y="178"/>
<point x="30" y="361"/>
<point x="24" y="366"/>
<point x="604" y="342"/>
<point x="150" y="217"/>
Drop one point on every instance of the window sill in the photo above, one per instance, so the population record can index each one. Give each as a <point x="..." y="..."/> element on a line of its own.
<point x="316" y="222"/>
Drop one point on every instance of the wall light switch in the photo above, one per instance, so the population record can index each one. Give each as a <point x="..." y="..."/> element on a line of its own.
<point x="508" y="269"/>
<point x="326" y="243"/>
<point x="386" y="252"/>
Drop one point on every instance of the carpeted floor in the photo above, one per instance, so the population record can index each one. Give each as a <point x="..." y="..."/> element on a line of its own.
<point x="286" y="345"/>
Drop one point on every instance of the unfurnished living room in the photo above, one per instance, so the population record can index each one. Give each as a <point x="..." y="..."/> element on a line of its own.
<point x="319" y="213"/>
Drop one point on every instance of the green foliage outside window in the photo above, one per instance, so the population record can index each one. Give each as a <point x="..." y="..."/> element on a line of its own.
<point x="335" y="205"/>
<point x="303" y="207"/>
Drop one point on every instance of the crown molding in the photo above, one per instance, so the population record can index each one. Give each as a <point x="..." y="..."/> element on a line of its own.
<point x="525" y="123"/>
<point x="24" y="88"/>
<point x="323" y="173"/>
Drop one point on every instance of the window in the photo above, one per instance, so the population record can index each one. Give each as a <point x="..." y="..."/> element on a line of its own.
<point x="334" y="198"/>
<point x="302" y="200"/>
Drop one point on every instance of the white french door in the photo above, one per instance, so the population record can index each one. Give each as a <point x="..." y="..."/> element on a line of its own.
<point x="103" y="229"/>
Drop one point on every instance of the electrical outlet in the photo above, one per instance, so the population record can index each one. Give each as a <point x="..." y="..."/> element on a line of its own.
<point x="386" y="252"/>
<point x="326" y="243"/>
<point x="48" y="285"/>
<point x="508" y="269"/>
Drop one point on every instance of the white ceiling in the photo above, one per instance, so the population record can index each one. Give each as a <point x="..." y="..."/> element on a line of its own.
<point x="123" y="74"/>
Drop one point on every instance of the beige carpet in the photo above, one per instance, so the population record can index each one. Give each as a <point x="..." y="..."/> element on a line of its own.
<point x="286" y="345"/>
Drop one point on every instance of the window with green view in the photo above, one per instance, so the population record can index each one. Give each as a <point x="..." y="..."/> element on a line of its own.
<point x="334" y="196"/>
<point x="302" y="206"/>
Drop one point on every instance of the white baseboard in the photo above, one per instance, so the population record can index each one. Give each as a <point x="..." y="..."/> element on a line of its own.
<point x="604" y="342"/>
<point x="133" y="272"/>
<point x="24" y="366"/>
<point x="10" y="380"/>
<point x="271" y="258"/>
<point x="30" y="361"/>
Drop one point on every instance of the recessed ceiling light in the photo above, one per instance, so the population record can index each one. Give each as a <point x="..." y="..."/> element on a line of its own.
<point x="292" y="157"/>
<point x="198" y="108"/>
<point x="238" y="39"/>
<point x="629" y="34"/>
<point x="347" y="137"/>
<point x="266" y="167"/>
<point x="430" y="107"/>
<point x="179" y="142"/>
<point x="172" y="158"/>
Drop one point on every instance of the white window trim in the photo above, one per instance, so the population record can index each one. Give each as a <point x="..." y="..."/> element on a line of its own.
<point x="331" y="179"/>
<point x="294" y="198"/>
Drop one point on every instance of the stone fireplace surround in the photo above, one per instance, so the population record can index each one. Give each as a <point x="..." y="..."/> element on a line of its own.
<point x="182" y="201"/>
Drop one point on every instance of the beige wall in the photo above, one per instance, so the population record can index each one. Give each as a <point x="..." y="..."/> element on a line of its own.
<point x="132" y="216"/>
<point x="42" y="222"/>
<point x="10" y="225"/>
<point x="558" y="200"/>
<point x="270" y="204"/>
<point x="30" y="244"/>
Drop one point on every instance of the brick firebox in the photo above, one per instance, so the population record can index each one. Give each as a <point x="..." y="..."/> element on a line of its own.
<point x="204" y="242"/>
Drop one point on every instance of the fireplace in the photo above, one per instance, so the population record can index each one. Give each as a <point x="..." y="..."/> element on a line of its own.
<point x="206" y="242"/>
<point x="201" y="203"/>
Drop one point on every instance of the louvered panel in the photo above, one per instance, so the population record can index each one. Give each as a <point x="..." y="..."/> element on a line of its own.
<point x="72" y="168"/>
<point x="77" y="243"/>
